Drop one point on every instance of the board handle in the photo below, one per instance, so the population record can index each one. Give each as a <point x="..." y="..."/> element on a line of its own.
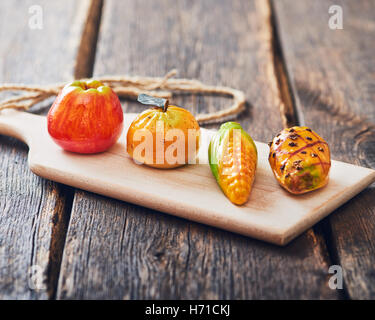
<point x="21" y="125"/>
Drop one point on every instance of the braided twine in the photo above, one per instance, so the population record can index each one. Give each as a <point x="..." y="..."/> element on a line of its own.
<point x="131" y="87"/>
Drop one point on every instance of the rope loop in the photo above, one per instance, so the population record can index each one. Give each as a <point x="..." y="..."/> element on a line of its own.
<point x="131" y="87"/>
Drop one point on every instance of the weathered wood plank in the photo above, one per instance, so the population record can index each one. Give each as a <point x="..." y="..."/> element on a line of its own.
<point x="332" y="74"/>
<point x="117" y="250"/>
<point x="32" y="210"/>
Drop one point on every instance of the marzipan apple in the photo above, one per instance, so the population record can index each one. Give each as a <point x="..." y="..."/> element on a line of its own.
<point x="86" y="117"/>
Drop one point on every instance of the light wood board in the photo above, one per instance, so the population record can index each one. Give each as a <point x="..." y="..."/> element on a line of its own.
<point x="190" y="192"/>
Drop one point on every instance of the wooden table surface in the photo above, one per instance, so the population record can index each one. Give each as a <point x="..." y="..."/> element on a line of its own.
<point x="293" y="69"/>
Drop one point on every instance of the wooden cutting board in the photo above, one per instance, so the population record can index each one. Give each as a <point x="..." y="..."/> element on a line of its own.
<point x="190" y="192"/>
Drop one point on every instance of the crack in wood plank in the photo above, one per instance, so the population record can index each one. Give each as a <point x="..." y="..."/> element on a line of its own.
<point x="288" y="111"/>
<point x="86" y="53"/>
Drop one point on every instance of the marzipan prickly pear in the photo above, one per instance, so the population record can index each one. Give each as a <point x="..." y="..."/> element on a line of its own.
<point x="233" y="159"/>
<point x="300" y="160"/>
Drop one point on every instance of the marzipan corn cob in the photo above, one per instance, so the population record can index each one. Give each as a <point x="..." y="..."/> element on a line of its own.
<point x="233" y="160"/>
<point x="300" y="160"/>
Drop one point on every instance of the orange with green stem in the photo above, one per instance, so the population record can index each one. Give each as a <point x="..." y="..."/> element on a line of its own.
<point x="164" y="136"/>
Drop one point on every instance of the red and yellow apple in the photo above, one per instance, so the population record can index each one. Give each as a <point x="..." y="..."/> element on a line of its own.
<point x="86" y="117"/>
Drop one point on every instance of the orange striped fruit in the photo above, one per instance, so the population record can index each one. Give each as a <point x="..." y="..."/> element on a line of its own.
<point x="300" y="160"/>
<point x="233" y="160"/>
<point x="162" y="150"/>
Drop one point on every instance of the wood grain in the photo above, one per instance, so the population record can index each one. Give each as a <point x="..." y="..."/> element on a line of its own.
<point x="332" y="76"/>
<point x="121" y="251"/>
<point x="33" y="210"/>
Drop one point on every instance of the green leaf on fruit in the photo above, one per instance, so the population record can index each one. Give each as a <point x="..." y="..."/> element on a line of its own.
<point x="149" y="100"/>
